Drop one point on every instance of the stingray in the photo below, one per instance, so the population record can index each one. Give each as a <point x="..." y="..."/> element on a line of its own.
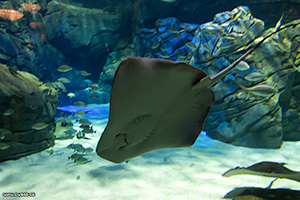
<point x="157" y="104"/>
<point x="267" y="169"/>
<point x="252" y="193"/>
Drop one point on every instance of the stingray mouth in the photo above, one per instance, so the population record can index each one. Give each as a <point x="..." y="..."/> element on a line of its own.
<point x="129" y="141"/>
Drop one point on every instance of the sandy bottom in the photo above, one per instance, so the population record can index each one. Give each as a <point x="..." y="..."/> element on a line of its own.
<point x="183" y="173"/>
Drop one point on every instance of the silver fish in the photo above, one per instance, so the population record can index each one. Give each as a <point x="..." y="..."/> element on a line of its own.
<point x="243" y="65"/>
<point x="261" y="90"/>
<point x="255" y="76"/>
<point x="80" y="113"/>
<point x="4" y="146"/>
<point x="63" y="80"/>
<point x="39" y="126"/>
<point x="8" y="112"/>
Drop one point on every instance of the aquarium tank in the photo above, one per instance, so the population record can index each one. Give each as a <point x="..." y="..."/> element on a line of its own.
<point x="150" y="99"/>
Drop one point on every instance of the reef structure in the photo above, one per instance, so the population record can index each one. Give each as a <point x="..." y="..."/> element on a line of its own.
<point x="27" y="112"/>
<point x="256" y="103"/>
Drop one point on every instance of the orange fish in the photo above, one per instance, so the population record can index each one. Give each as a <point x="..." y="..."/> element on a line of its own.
<point x="35" y="24"/>
<point x="30" y="7"/>
<point x="10" y="15"/>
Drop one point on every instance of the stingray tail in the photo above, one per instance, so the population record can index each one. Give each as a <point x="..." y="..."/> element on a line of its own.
<point x="223" y="73"/>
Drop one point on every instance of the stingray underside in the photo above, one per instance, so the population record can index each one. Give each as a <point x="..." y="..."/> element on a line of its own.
<point x="155" y="104"/>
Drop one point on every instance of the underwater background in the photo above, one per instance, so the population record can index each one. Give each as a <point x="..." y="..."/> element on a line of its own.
<point x="58" y="61"/>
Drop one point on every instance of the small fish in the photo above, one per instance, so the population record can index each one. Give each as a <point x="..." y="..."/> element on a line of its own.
<point x="84" y="122"/>
<point x="192" y="61"/>
<point x="30" y="7"/>
<point x="84" y="126"/>
<point x="255" y="76"/>
<point x="50" y="85"/>
<point x="64" y="68"/>
<point x="87" y="81"/>
<point x="88" y="150"/>
<point x="164" y="54"/>
<point x="70" y="118"/>
<point x="63" y="80"/>
<point x="74" y="146"/>
<point x="8" y="112"/>
<point x="79" y="149"/>
<point x="173" y="30"/>
<point x="87" y="129"/>
<point x="164" y="48"/>
<point x="71" y="95"/>
<point x="80" y="135"/>
<point x="60" y="85"/>
<point x="82" y="161"/>
<point x="4" y="146"/>
<point x="39" y="126"/>
<point x="70" y="146"/>
<point x="4" y="131"/>
<point x="191" y="45"/>
<point x="94" y="87"/>
<point x="261" y="90"/>
<point x="182" y="58"/>
<point x="80" y="113"/>
<point x="110" y="71"/>
<point x="70" y="132"/>
<point x="243" y="65"/>
<point x="35" y="25"/>
<point x="51" y="151"/>
<point x="11" y="15"/>
<point x="75" y="156"/>
<point x="85" y="73"/>
<point x="155" y="45"/>
<point x="147" y="55"/>
<point x="60" y="119"/>
<point x="91" y="85"/>
<point x="79" y="103"/>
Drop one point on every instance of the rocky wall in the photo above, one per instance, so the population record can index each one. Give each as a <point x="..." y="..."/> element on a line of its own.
<point x="240" y="116"/>
<point x="27" y="112"/>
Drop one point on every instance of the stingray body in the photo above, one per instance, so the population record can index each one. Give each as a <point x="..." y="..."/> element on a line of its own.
<point x="157" y="104"/>
<point x="267" y="169"/>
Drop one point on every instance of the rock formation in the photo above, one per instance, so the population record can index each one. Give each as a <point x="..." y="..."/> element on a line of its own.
<point x="239" y="116"/>
<point x="27" y="111"/>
